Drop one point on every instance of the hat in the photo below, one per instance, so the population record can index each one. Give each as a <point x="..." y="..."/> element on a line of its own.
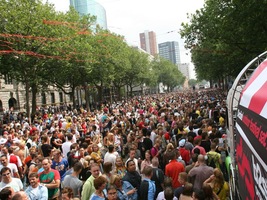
<point x="224" y="136"/>
<point x="182" y="143"/>
<point x="3" y="141"/>
<point x="16" y="141"/>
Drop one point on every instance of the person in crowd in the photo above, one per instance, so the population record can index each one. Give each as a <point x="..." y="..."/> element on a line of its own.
<point x="6" y="193"/>
<point x="111" y="156"/>
<point x="35" y="190"/>
<point x="167" y="185"/>
<point x="132" y="176"/>
<point x="88" y="187"/>
<point x="67" y="193"/>
<point x="20" y="195"/>
<point x="158" y="176"/>
<point x="173" y="169"/>
<point x="9" y="181"/>
<point x="72" y="181"/>
<point x="112" y="193"/>
<point x="107" y="171"/>
<point x="200" y="172"/>
<point x="100" y="186"/>
<point x="14" y="170"/>
<point x="185" y="154"/>
<point x="133" y="158"/>
<point x="147" y="161"/>
<point x="219" y="186"/>
<point x="59" y="163"/>
<point x="66" y="145"/>
<point x="187" y="192"/>
<point x="214" y="158"/>
<point x="120" y="167"/>
<point x="50" y="179"/>
<point x="209" y="194"/>
<point x="182" y="180"/>
<point x="124" y="189"/>
<point x="148" y="187"/>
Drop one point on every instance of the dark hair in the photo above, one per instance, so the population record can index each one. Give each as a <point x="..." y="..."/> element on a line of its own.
<point x="4" y="169"/>
<point x="127" y="163"/>
<point x="199" y="194"/>
<point x="5" y="193"/>
<point x="188" y="189"/>
<point x="110" y="148"/>
<point x="168" y="193"/>
<point x="196" y="151"/>
<point x="69" y="136"/>
<point x="77" y="166"/>
<point x="107" y="167"/>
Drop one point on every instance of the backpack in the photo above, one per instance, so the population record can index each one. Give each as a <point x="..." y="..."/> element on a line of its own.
<point x="211" y="161"/>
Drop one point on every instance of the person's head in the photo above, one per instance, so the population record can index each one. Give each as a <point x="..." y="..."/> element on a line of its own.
<point x="155" y="161"/>
<point x="218" y="175"/>
<point x="112" y="193"/>
<point x="119" y="162"/>
<point x="107" y="167"/>
<point x="21" y="195"/>
<point x="148" y="171"/>
<point x="4" y="160"/>
<point x="168" y="193"/>
<point x="6" y="193"/>
<point x="148" y="155"/>
<point x="194" y="157"/>
<point x="46" y="163"/>
<point x="67" y="193"/>
<point x="95" y="170"/>
<point x="167" y="182"/>
<point x="172" y="154"/>
<point x="182" y="178"/>
<point x="188" y="189"/>
<point x="213" y="146"/>
<point x="111" y="148"/>
<point x="116" y="180"/>
<point x="132" y="153"/>
<point x="130" y="165"/>
<point x="33" y="179"/>
<point x="201" y="159"/>
<point x="100" y="183"/>
<point x="57" y="154"/>
<point x="78" y="166"/>
<point x="6" y="174"/>
<point x="196" y="151"/>
<point x="69" y="136"/>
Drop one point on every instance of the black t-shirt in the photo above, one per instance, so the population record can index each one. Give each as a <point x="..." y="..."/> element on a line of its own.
<point x="206" y="145"/>
<point x="147" y="143"/>
<point x="46" y="149"/>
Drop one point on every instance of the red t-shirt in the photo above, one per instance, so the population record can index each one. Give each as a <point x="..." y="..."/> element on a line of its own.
<point x="173" y="169"/>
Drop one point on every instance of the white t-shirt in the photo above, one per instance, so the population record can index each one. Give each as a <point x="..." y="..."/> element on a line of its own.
<point x="111" y="157"/>
<point x="16" y="184"/>
<point x="66" y="148"/>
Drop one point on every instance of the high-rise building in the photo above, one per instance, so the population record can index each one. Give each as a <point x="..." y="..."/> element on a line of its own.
<point x="92" y="7"/>
<point x="184" y="69"/>
<point x="148" y="42"/>
<point x="170" y="51"/>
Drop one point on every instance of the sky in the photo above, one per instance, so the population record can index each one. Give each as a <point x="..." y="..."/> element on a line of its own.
<point x="131" y="17"/>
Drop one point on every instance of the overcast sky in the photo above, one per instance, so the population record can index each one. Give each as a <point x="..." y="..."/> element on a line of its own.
<point x="131" y="17"/>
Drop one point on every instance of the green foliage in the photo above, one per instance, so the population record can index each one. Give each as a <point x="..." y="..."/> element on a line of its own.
<point x="224" y="36"/>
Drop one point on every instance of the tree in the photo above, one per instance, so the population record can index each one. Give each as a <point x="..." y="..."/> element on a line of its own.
<point x="224" y="36"/>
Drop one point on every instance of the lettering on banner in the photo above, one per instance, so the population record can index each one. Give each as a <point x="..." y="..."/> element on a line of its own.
<point x="240" y="115"/>
<point x="254" y="128"/>
<point x="260" y="180"/>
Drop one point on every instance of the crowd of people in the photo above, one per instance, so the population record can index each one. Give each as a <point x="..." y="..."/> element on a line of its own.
<point x="163" y="146"/>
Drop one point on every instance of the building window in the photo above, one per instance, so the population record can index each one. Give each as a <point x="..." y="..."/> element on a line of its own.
<point x="52" y="98"/>
<point x="61" y="98"/>
<point x="43" y="99"/>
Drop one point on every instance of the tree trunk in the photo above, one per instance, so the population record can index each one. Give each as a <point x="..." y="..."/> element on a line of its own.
<point x="73" y="97"/>
<point x="27" y="90"/>
<point x="34" y="95"/>
<point x="86" y="91"/>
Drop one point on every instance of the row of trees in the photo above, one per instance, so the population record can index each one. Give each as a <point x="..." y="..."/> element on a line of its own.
<point x="40" y="47"/>
<point x="224" y="36"/>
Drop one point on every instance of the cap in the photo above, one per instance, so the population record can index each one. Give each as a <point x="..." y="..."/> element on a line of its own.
<point x="182" y="143"/>
<point x="3" y="141"/>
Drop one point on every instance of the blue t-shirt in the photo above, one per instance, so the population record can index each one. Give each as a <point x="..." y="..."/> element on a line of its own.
<point x="60" y="166"/>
